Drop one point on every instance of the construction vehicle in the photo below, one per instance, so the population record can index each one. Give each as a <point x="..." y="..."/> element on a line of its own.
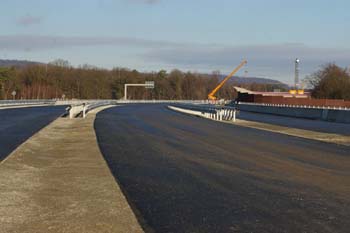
<point x="211" y="95"/>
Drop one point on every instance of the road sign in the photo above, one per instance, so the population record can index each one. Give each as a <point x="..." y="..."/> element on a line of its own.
<point x="149" y="84"/>
<point x="13" y="94"/>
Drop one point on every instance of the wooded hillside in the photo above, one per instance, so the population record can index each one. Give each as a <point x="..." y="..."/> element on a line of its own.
<point x="87" y="82"/>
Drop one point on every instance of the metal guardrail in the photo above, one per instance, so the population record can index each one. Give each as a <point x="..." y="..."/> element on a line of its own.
<point x="210" y="108"/>
<point x="214" y="112"/>
<point x="161" y="101"/>
<point x="8" y="103"/>
<point x="91" y="102"/>
<point x="70" y="102"/>
<point x="92" y="106"/>
<point x="81" y="110"/>
<point x="78" y="102"/>
<point x="293" y="106"/>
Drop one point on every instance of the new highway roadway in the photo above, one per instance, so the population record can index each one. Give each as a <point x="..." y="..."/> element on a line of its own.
<point x="186" y="174"/>
<point x="18" y="124"/>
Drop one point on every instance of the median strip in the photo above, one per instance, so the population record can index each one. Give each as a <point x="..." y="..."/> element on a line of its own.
<point x="58" y="181"/>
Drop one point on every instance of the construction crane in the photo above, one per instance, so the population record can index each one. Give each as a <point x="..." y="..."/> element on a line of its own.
<point x="211" y="95"/>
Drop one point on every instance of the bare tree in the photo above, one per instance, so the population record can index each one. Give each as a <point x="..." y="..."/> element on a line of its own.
<point x="330" y="82"/>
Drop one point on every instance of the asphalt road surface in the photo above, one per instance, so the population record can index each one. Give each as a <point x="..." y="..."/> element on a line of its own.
<point x="186" y="174"/>
<point x="18" y="124"/>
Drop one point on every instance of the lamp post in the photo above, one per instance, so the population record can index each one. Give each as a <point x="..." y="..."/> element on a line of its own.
<point x="296" y="78"/>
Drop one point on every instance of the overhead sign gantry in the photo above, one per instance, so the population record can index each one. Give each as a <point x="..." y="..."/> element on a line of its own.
<point x="147" y="84"/>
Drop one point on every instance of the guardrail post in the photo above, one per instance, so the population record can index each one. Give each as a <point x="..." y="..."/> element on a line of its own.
<point x="228" y="114"/>
<point x="71" y="115"/>
<point x="84" y="110"/>
<point x="234" y="115"/>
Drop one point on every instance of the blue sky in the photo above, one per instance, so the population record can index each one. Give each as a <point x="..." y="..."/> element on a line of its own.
<point x="195" y="35"/>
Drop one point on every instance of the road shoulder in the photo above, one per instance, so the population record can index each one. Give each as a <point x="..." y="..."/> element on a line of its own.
<point x="307" y="134"/>
<point x="58" y="181"/>
<point x="295" y="132"/>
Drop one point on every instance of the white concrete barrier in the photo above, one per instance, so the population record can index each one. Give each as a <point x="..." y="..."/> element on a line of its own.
<point x="75" y="110"/>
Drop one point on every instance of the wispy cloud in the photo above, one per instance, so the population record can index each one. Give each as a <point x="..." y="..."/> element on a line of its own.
<point x="32" y="42"/>
<point x="274" y="60"/>
<point x="28" y="20"/>
<point x="217" y="54"/>
<point x="150" y="2"/>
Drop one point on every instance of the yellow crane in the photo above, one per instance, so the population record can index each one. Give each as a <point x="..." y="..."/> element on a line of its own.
<point x="211" y="95"/>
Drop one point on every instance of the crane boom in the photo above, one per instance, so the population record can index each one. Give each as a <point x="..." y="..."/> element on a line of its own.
<point x="211" y="95"/>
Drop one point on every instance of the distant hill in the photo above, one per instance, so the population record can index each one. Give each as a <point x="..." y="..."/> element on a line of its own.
<point x="17" y="63"/>
<point x="244" y="80"/>
<point x="237" y="80"/>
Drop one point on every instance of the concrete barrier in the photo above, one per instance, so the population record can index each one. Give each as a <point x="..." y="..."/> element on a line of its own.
<point x="341" y="116"/>
<point x="314" y="113"/>
<point x="75" y="110"/>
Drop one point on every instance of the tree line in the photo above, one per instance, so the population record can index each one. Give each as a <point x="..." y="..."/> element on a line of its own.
<point x="59" y="80"/>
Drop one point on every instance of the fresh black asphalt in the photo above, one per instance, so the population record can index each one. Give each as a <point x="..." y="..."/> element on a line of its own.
<point x="186" y="174"/>
<point x="18" y="124"/>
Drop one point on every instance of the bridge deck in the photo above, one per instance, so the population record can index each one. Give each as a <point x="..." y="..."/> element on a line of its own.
<point x="188" y="174"/>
